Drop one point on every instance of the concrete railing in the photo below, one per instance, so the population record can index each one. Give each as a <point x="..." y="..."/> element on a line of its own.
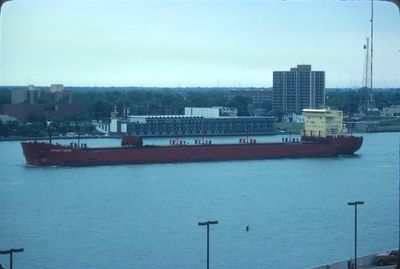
<point x="362" y="262"/>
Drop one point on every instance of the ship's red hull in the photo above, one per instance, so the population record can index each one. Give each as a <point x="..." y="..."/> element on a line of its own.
<point x="45" y="154"/>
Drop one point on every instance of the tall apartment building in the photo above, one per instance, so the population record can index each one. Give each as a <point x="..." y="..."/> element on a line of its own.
<point x="297" y="89"/>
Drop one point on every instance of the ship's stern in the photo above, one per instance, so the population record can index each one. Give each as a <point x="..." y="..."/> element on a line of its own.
<point x="346" y="145"/>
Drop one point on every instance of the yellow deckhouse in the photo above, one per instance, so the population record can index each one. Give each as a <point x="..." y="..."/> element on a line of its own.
<point x="323" y="123"/>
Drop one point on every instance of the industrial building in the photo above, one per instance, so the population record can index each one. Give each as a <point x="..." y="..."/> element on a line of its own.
<point x="190" y="125"/>
<point x="392" y="111"/>
<point x="23" y="112"/>
<point x="187" y="125"/>
<point x="50" y="103"/>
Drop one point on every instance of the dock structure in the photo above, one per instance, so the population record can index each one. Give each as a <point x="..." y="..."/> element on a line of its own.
<point x="172" y="125"/>
<point x="203" y="126"/>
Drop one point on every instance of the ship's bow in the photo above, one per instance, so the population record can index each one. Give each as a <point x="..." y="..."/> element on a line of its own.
<point x="34" y="152"/>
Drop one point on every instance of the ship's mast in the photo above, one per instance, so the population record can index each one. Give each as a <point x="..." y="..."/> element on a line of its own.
<point x="49" y="130"/>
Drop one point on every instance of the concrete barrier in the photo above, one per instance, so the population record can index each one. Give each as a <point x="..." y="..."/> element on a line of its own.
<point x="362" y="262"/>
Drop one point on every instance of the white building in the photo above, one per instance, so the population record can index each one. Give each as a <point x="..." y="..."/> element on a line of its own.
<point x="210" y="112"/>
<point x="393" y="111"/>
<point x="101" y="127"/>
<point x="292" y="117"/>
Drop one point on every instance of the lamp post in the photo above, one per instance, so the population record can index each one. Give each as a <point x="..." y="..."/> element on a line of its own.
<point x="10" y="252"/>
<point x="208" y="223"/>
<point x="355" y="203"/>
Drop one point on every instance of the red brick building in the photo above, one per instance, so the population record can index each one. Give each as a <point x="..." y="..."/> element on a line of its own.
<point x="49" y="111"/>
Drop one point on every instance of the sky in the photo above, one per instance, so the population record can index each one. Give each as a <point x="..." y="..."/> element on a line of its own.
<point x="190" y="43"/>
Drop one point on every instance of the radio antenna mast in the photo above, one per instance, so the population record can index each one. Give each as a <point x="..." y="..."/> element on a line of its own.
<point x="367" y="65"/>
<point x="372" y="44"/>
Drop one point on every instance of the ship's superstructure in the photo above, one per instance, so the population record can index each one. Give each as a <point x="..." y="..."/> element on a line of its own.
<point x="323" y="123"/>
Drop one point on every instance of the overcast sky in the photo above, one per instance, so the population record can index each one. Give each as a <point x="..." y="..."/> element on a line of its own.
<point x="193" y="42"/>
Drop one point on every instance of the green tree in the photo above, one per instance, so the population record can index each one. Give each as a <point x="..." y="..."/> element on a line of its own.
<point x="267" y="105"/>
<point x="101" y="109"/>
<point x="3" y="129"/>
<point x="241" y="103"/>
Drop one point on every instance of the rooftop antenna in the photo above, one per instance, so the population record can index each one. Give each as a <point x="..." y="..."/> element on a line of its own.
<point x="367" y="101"/>
<point x="371" y="97"/>
<point x="365" y="98"/>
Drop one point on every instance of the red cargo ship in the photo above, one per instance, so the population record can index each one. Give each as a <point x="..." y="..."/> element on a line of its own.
<point x="46" y="154"/>
<point x="132" y="150"/>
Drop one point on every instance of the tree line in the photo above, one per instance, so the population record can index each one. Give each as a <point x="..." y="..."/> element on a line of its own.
<point x="99" y="105"/>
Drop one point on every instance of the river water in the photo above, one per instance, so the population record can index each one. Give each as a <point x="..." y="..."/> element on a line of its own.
<point x="146" y="216"/>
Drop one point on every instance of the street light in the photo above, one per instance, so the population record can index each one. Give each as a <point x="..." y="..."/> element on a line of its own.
<point x="10" y="252"/>
<point x="355" y="203"/>
<point x="208" y="223"/>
